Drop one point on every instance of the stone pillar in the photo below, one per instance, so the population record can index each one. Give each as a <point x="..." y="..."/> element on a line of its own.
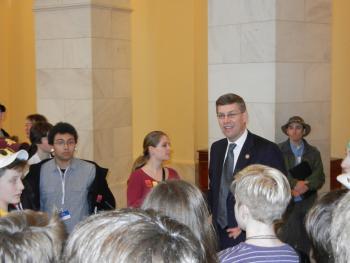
<point x="83" y="77"/>
<point x="276" y="55"/>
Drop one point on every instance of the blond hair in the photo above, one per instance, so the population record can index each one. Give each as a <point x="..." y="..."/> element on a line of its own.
<point x="264" y="190"/>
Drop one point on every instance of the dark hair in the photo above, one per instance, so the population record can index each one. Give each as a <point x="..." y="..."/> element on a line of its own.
<point x="62" y="128"/>
<point x="317" y="223"/>
<point x="2" y="108"/>
<point x="35" y="118"/>
<point x="151" y="139"/>
<point x="38" y="131"/>
<point x="231" y="98"/>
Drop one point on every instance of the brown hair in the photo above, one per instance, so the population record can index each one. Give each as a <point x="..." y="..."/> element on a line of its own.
<point x="29" y="236"/>
<point x="231" y="98"/>
<point x="185" y="203"/>
<point x="151" y="139"/>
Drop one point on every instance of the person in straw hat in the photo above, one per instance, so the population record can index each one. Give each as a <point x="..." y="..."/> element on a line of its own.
<point x="305" y="175"/>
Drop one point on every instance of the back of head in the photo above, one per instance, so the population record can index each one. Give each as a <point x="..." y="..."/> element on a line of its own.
<point x="317" y="224"/>
<point x="36" y="118"/>
<point x="28" y="236"/>
<point x="340" y="230"/>
<point x="62" y="128"/>
<point x="132" y="236"/>
<point x="264" y="190"/>
<point x="38" y="131"/>
<point x="231" y="98"/>
<point x="185" y="203"/>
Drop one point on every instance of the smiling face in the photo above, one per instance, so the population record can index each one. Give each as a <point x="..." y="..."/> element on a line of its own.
<point x="232" y="121"/>
<point x="11" y="187"/>
<point x="162" y="150"/>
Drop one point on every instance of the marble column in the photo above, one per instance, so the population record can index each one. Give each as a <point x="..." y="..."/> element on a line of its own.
<point x="83" y="77"/>
<point x="276" y="55"/>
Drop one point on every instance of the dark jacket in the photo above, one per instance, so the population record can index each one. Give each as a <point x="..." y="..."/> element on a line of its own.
<point x="256" y="150"/>
<point x="99" y="194"/>
<point x="310" y="155"/>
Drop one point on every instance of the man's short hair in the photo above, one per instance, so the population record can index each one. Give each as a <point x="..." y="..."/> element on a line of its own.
<point x="128" y="235"/>
<point x="340" y="230"/>
<point x="62" y="128"/>
<point x="317" y="224"/>
<point x="38" y="131"/>
<point x="29" y="236"/>
<point x="264" y="190"/>
<point x="231" y="98"/>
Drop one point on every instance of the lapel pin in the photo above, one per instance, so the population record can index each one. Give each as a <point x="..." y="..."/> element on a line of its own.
<point x="247" y="156"/>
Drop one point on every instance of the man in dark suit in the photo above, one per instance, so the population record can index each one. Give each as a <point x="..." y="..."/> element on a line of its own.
<point x="239" y="149"/>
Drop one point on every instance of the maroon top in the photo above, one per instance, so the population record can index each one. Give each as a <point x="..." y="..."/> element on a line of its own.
<point x="140" y="184"/>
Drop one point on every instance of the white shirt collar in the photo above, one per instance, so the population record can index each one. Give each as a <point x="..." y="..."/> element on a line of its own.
<point x="241" y="140"/>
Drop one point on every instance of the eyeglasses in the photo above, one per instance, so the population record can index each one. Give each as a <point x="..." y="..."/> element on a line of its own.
<point x="69" y="143"/>
<point x="230" y="115"/>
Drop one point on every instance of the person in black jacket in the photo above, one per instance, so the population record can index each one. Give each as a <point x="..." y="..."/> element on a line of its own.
<point x="74" y="187"/>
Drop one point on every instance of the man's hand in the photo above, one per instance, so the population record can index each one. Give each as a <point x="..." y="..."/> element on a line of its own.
<point x="234" y="232"/>
<point x="301" y="187"/>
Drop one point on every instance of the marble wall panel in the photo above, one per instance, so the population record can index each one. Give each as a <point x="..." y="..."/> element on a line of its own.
<point x="112" y="113"/>
<point x="255" y="82"/>
<point x="317" y="82"/>
<point x="103" y="85"/>
<point x="77" y="53"/>
<point x="122" y="141"/>
<point x="101" y="22"/>
<point x="46" y="3"/>
<point x="223" y="12"/>
<point x="79" y="112"/>
<point x="63" y="23"/>
<point x="122" y="83"/>
<point x="49" y="53"/>
<point x="102" y="51"/>
<point x="290" y="82"/>
<point x="63" y="83"/>
<point x="292" y="10"/>
<point x="318" y="11"/>
<point x="121" y="25"/>
<point x="52" y="108"/>
<point x="121" y="55"/>
<point x="302" y="42"/>
<point x="258" y="42"/>
<point x="224" y="44"/>
<point x="257" y="10"/>
<point x="261" y="119"/>
<point x="85" y="144"/>
<point x="103" y="143"/>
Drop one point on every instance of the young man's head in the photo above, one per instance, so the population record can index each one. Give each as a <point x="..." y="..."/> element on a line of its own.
<point x="39" y="136"/>
<point x="232" y="115"/>
<point x="28" y="236"/>
<point x="11" y="173"/>
<point x="296" y="129"/>
<point x="262" y="192"/>
<point x="63" y="137"/>
<point x="131" y="236"/>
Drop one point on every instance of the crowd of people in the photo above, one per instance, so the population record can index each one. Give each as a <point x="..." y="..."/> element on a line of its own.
<point x="262" y="204"/>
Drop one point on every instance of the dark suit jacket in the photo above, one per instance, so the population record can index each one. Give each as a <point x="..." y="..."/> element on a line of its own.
<point x="256" y="150"/>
